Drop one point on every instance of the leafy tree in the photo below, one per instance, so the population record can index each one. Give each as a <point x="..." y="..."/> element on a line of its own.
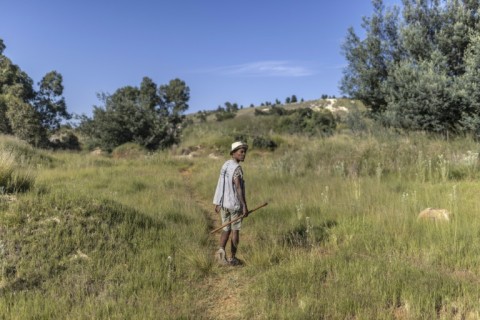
<point x="369" y="59"/>
<point x="23" y="111"/>
<point x="49" y="102"/>
<point x="417" y="71"/>
<point x="4" y="123"/>
<point x="25" y="122"/>
<point x="231" y="107"/>
<point x="14" y="83"/>
<point x="145" y="115"/>
<point x="227" y="112"/>
<point x="175" y="96"/>
<point x="467" y="89"/>
<point x="287" y="100"/>
<point x="293" y="99"/>
<point x="420" y="98"/>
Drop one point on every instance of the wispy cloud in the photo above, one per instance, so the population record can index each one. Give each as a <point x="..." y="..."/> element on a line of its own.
<point x="265" y="69"/>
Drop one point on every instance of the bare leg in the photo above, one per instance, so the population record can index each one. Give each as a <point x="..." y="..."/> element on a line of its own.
<point x="235" y="241"/>
<point x="224" y="239"/>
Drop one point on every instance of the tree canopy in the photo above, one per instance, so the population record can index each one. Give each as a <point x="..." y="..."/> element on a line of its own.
<point x="417" y="66"/>
<point x="148" y="115"/>
<point x="25" y="112"/>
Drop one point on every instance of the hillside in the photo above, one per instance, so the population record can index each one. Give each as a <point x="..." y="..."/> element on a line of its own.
<point x="95" y="236"/>
<point x="334" y="105"/>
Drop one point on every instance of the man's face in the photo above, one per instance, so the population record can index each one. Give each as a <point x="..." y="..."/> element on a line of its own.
<point x="240" y="154"/>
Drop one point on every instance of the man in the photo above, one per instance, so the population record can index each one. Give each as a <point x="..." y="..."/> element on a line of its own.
<point x="229" y="201"/>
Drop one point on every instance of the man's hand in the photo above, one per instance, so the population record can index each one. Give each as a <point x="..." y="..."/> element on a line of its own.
<point x="245" y="211"/>
<point x="217" y="208"/>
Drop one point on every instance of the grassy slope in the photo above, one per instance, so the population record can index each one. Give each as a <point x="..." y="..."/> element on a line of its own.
<point x="339" y="238"/>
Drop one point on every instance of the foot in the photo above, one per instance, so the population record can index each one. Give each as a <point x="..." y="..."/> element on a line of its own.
<point x="234" y="262"/>
<point x="220" y="257"/>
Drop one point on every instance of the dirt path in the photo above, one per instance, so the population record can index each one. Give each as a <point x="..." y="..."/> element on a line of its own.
<point x="223" y="288"/>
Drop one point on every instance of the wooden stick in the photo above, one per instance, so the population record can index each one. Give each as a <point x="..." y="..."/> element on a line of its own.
<point x="237" y="218"/>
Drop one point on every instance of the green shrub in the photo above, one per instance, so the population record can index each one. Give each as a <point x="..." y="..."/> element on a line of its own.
<point x="224" y="115"/>
<point x="260" y="142"/>
<point x="129" y="150"/>
<point x="66" y="140"/>
<point x="309" y="122"/>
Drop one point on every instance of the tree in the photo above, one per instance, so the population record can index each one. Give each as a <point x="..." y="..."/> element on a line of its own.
<point x="227" y="112"/>
<point x="175" y="96"/>
<point x="49" y="102"/>
<point x="144" y="115"/>
<point x="4" y="123"/>
<point x="467" y="89"/>
<point x="14" y="83"/>
<point x="293" y="99"/>
<point x="25" y="122"/>
<point x="369" y="59"/>
<point x="418" y="72"/>
<point x="420" y="97"/>
<point x="30" y="115"/>
<point x="287" y="100"/>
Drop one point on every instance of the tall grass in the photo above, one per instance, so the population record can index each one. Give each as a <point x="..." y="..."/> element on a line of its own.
<point x="365" y="254"/>
<point x="100" y="237"/>
<point x="13" y="178"/>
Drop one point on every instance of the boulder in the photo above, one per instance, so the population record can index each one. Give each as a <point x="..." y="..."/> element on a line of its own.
<point x="434" y="214"/>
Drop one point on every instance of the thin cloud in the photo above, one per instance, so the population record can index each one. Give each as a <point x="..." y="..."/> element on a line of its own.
<point x="265" y="69"/>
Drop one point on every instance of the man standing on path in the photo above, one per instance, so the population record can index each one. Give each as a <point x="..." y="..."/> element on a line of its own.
<point x="229" y="201"/>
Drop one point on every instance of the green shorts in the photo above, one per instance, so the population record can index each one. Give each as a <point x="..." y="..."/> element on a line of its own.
<point x="229" y="215"/>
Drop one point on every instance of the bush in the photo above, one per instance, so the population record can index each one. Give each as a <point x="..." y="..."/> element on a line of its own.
<point x="129" y="150"/>
<point x="307" y="121"/>
<point x="224" y="115"/>
<point x="66" y="140"/>
<point x="261" y="142"/>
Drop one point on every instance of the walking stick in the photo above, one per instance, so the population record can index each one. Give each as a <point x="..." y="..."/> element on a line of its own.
<point x="238" y="218"/>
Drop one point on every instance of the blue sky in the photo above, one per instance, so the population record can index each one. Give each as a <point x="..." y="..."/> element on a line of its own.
<point x="238" y="51"/>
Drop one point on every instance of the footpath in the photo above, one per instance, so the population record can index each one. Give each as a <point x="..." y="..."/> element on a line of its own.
<point x="222" y="289"/>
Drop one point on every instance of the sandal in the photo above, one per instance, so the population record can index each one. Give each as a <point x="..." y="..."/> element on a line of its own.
<point x="234" y="262"/>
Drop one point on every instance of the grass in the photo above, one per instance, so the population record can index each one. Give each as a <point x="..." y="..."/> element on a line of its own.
<point x="127" y="237"/>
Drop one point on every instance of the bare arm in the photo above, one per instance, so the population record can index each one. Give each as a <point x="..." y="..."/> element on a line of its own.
<point x="241" y="195"/>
